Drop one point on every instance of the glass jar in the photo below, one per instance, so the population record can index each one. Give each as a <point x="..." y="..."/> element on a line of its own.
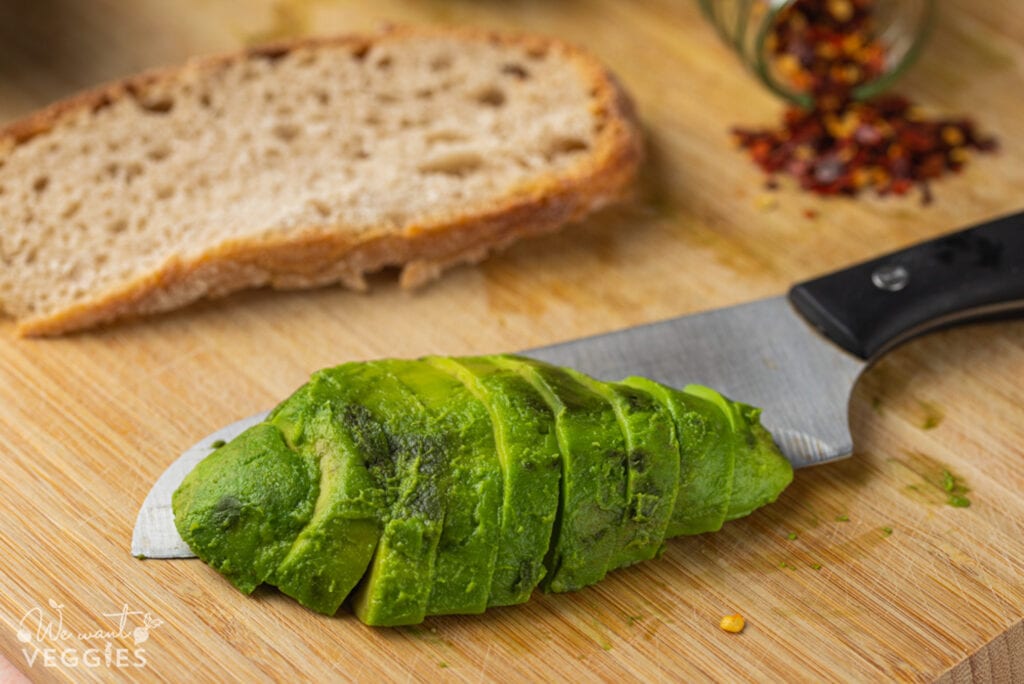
<point x="900" y="26"/>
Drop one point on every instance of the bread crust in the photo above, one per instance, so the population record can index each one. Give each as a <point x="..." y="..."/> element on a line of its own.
<point x="324" y="254"/>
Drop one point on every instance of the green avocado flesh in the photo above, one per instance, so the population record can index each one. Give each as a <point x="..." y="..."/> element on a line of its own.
<point x="652" y="469"/>
<point x="446" y="485"/>
<point x="241" y="509"/>
<point x="331" y="554"/>
<point x="531" y="468"/>
<point x="593" y="477"/>
<point x="406" y="453"/>
<point x="707" y="457"/>
<point x="472" y="489"/>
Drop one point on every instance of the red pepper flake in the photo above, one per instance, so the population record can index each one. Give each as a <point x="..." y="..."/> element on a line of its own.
<point x="840" y="146"/>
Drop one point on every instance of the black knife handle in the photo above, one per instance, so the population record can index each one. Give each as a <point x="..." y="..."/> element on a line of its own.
<point x="870" y="307"/>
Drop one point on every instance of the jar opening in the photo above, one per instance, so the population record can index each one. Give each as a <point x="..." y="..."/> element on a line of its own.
<point x="823" y="53"/>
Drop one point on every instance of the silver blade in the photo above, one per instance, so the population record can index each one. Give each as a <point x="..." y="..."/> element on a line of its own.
<point x="760" y="353"/>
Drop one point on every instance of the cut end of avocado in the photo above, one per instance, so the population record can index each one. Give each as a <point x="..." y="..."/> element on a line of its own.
<point x="226" y="505"/>
<point x="762" y="472"/>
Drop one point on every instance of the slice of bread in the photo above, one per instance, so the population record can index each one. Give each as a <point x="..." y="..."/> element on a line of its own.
<point x="303" y="164"/>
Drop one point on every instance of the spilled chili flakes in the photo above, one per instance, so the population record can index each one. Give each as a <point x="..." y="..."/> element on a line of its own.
<point x="841" y="146"/>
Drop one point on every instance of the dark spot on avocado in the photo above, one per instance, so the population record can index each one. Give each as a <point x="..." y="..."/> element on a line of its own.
<point x="619" y="457"/>
<point x="526" y="577"/>
<point x="638" y="460"/>
<point x="218" y="444"/>
<point x="317" y="582"/>
<point x="426" y="454"/>
<point x="373" y="442"/>
<point x="573" y="396"/>
<point x="535" y="402"/>
<point x="367" y="433"/>
<point x="638" y="402"/>
<point x="226" y="512"/>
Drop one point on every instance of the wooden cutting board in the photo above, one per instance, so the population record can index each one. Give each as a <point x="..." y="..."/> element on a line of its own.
<point x="860" y="572"/>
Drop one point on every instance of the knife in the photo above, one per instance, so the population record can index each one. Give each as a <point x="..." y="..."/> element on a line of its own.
<point x="797" y="356"/>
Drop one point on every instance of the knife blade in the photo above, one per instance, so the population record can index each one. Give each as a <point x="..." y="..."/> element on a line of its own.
<point x="797" y="356"/>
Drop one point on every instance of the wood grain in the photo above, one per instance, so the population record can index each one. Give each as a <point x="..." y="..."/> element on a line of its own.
<point x="91" y="420"/>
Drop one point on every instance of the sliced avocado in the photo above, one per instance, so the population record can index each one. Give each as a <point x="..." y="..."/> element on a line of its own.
<point x="653" y="477"/>
<point x="332" y="553"/>
<point x="468" y="546"/>
<point x="242" y="506"/>
<point x="762" y="472"/>
<point x="707" y="455"/>
<point x="593" y="501"/>
<point x="531" y="465"/>
<point x="406" y="457"/>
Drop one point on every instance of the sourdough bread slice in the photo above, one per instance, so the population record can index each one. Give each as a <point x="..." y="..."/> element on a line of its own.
<point x="303" y="164"/>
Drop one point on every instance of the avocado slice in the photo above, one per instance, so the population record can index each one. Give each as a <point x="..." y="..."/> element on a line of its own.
<point x="242" y="506"/>
<point x="653" y="469"/>
<point x="406" y="457"/>
<point x="762" y="472"/>
<point x="333" y="551"/>
<point x="593" y="497"/>
<point x="531" y="468"/>
<point x="468" y="545"/>
<point x="707" y="455"/>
